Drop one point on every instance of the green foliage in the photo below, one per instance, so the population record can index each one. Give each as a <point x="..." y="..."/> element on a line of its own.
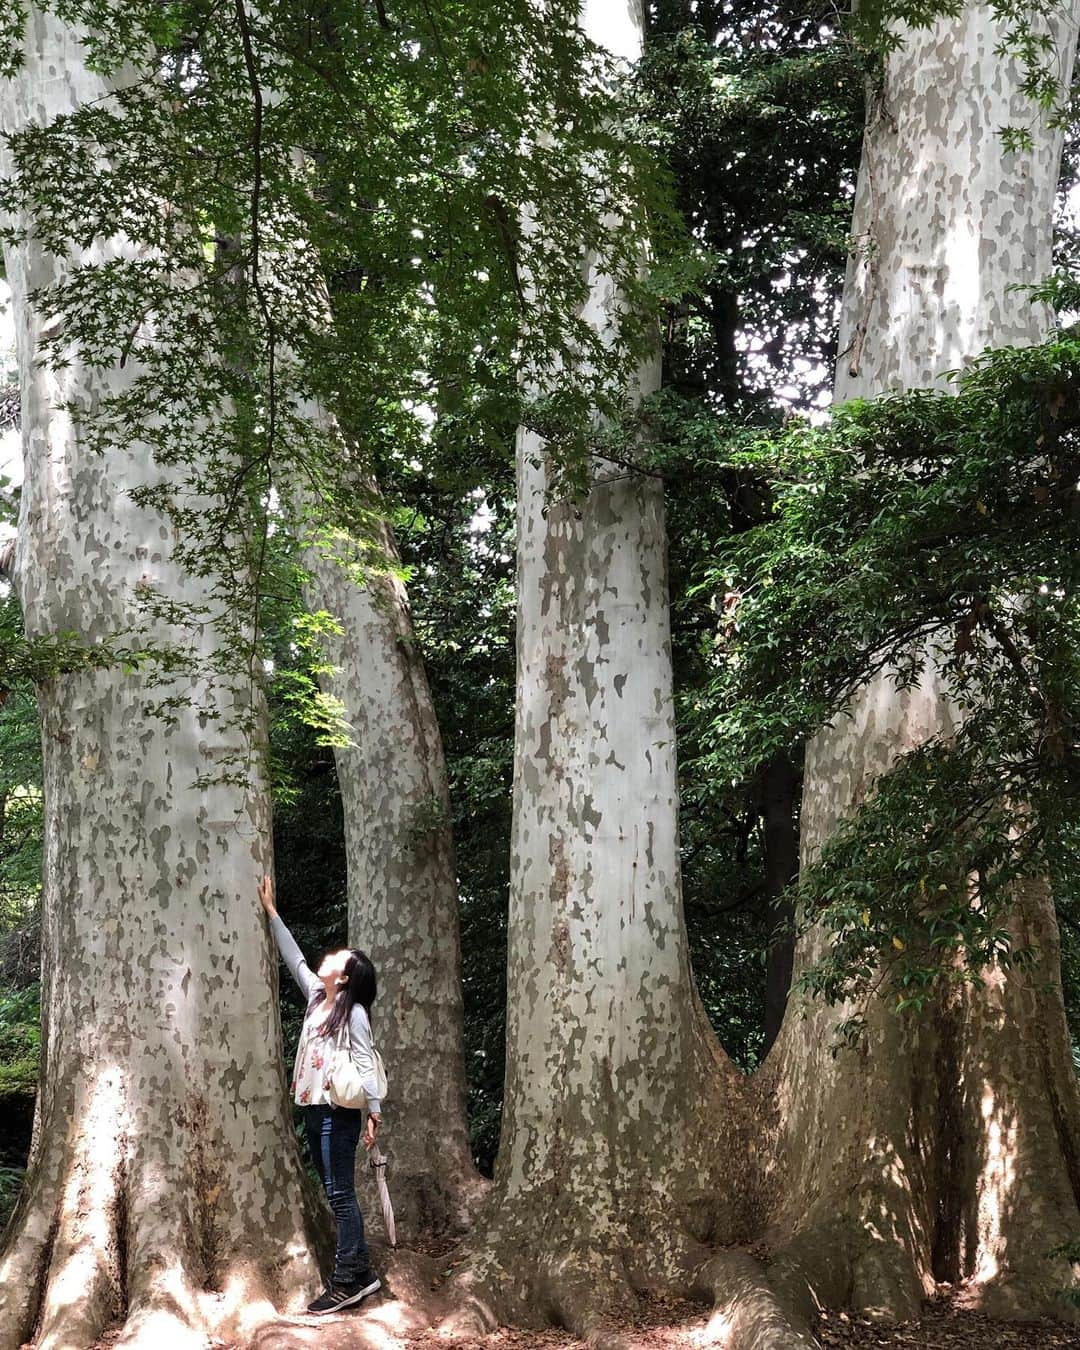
<point x="388" y="276"/>
<point x="10" y="1182"/>
<point x="1062" y="291"/>
<point x="918" y="527"/>
<point x="309" y="856"/>
<point x="20" y="1041"/>
<point x="759" y="112"/>
<point x="458" y="540"/>
<point x="386" y="270"/>
<point x="20" y="803"/>
<point x="12" y="27"/>
<point x="761" y="118"/>
<point x="1068" y="1251"/>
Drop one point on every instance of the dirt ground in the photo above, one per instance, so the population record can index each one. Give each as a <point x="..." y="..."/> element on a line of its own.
<point x="664" y="1324"/>
<point x="401" y="1317"/>
<point x="945" y="1326"/>
<point x="674" y="1327"/>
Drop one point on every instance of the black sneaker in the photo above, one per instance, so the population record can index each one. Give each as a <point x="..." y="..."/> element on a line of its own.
<point x="337" y="1296"/>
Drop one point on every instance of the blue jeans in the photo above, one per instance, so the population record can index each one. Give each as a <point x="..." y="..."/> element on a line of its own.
<point x="333" y="1132"/>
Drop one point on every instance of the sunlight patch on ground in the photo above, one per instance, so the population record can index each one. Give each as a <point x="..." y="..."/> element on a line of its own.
<point x="715" y="1332"/>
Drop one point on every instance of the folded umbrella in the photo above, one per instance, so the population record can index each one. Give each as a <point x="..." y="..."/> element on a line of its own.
<point x="378" y="1163"/>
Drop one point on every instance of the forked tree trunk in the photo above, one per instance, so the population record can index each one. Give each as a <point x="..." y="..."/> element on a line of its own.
<point x="164" y="1189"/>
<point x="402" y="880"/>
<point x="947" y="1147"/>
<point x="628" y="1146"/>
<point x="402" y="883"/>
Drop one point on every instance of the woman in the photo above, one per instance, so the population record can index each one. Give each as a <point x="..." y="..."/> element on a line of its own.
<point x="339" y="994"/>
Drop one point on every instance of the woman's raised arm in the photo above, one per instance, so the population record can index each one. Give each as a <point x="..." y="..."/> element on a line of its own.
<point x="286" y="943"/>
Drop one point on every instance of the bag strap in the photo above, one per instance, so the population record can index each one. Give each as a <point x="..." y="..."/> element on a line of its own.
<point x="345" y="1035"/>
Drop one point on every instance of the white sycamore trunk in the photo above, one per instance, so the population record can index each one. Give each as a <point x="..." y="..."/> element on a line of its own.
<point x="164" y="1190"/>
<point x="947" y="1149"/>
<point x="628" y="1143"/>
<point x="402" y="881"/>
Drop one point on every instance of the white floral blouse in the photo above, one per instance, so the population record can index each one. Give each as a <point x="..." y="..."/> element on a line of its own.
<point x="315" y="1051"/>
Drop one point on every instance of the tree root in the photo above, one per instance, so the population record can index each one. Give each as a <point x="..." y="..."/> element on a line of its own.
<point x="115" y="1230"/>
<point x="24" y="1263"/>
<point x="845" y="1263"/>
<point x="751" y="1311"/>
<point x="588" y="1290"/>
<point x="408" y="1306"/>
<point x="579" y="1292"/>
<point x="1032" y="1285"/>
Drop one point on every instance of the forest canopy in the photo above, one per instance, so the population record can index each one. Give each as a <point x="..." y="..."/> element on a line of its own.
<point x="586" y="498"/>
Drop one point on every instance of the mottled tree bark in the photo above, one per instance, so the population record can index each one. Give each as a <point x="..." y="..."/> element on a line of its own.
<point x="945" y="1148"/>
<point x="630" y="1146"/>
<point x="164" y="1188"/>
<point x="614" y="1082"/>
<point x="402" y="881"/>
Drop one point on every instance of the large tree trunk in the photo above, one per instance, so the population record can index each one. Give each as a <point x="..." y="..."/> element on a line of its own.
<point x="164" y="1189"/>
<point x="402" y="881"/>
<point x="945" y="1148"/>
<point x="630" y="1150"/>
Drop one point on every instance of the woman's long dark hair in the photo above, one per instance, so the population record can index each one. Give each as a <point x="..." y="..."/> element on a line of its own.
<point x="360" y="987"/>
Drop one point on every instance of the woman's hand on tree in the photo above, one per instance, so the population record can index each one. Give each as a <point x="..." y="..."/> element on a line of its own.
<point x="266" y="896"/>
<point x="371" y="1129"/>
